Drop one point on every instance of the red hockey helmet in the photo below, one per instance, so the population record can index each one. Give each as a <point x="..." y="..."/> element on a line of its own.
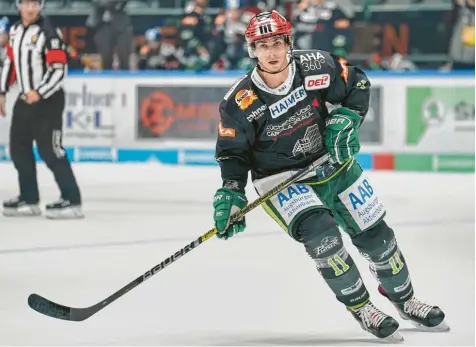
<point x="267" y="24"/>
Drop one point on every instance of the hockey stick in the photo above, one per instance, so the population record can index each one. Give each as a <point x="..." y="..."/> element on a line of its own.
<point x="54" y="310"/>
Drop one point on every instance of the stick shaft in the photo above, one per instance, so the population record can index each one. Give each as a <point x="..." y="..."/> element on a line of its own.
<point x="58" y="311"/>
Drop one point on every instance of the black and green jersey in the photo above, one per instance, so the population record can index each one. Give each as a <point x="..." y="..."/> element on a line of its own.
<point x="268" y="131"/>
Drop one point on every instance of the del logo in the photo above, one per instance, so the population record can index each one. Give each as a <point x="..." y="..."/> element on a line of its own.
<point x="365" y="192"/>
<point x="283" y="105"/>
<point x="225" y="132"/>
<point x="291" y="192"/>
<point x="317" y="81"/>
<point x="244" y="98"/>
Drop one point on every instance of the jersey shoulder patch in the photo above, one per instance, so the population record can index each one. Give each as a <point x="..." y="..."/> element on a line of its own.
<point x="234" y="86"/>
<point x="312" y="61"/>
<point x="241" y="99"/>
<point x="316" y="68"/>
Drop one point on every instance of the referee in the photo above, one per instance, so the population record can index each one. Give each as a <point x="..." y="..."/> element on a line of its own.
<point x="36" y="60"/>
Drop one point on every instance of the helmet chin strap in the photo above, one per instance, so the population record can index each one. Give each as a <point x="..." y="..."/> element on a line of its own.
<point x="275" y="72"/>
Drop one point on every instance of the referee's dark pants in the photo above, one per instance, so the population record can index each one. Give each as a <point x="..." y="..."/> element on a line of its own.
<point x="42" y="122"/>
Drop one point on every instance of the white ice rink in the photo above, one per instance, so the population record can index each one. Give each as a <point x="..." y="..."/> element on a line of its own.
<point x="259" y="288"/>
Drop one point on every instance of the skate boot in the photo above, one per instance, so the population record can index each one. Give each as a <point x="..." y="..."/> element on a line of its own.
<point x="421" y="315"/>
<point x="17" y="207"/>
<point x="376" y="322"/>
<point x="63" y="209"/>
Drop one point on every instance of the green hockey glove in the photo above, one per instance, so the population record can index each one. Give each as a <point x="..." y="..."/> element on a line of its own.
<point x="341" y="136"/>
<point x="225" y="203"/>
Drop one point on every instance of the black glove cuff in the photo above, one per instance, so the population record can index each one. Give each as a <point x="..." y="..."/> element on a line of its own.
<point x="234" y="185"/>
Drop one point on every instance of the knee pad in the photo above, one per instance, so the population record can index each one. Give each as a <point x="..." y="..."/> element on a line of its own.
<point x="376" y="243"/>
<point x="322" y="240"/>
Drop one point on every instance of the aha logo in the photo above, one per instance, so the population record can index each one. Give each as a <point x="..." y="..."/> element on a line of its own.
<point x="291" y="191"/>
<point x="365" y="192"/>
<point x="317" y="81"/>
<point x="244" y="98"/>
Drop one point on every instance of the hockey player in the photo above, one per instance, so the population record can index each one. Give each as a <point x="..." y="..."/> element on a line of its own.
<point x="274" y="120"/>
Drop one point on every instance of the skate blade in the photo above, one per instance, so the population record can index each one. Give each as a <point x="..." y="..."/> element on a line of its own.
<point x="440" y="328"/>
<point x="66" y="213"/>
<point x="24" y="211"/>
<point x="396" y="337"/>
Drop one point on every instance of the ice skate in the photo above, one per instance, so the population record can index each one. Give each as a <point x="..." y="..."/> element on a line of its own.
<point x="17" y="207"/>
<point x="376" y="322"/>
<point x="63" y="209"/>
<point x="423" y="316"/>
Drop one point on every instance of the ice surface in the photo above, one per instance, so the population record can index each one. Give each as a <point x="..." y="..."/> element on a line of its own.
<point x="259" y="288"/>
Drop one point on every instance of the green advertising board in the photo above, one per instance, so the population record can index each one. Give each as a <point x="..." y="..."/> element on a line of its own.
<point x="440" y="119"/>
<point x="434" y="162"/>
<point x="440" y="129"/>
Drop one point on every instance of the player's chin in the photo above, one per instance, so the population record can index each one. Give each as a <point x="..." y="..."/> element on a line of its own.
<point x="274" y="65"/>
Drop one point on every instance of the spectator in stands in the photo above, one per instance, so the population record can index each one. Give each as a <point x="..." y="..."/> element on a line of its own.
<point x="158" y="54"/>
<point x="3" y="39"/>
<point x="229" y="44"/>
<point x="398" y="62"/>
<point x="323" y="24"/>
<point x="74" y="59"/>
<point x="112" y="30"/>
<point x="305" y="20"/>
<point x="194" y="36"/>
<point x="461" y="50"/>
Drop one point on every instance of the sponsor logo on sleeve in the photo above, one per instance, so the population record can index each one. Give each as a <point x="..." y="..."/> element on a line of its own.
<point x="225" y="132"/>
<point x="315" y="82"/>
<point x="244" y="98"/>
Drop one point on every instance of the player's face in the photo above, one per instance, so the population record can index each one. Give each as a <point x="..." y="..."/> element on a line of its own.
<point x="272" y="53"/>
<point x="29" y="9"/>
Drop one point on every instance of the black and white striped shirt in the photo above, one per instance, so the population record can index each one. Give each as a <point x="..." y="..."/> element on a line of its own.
<point x="36" y="59"/>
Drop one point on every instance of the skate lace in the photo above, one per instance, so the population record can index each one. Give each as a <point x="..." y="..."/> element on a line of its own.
<point x="416" y="308"/>
<point x="371" y="316"/>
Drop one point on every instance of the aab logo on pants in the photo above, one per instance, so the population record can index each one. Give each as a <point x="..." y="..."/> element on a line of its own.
<point x="363" y="203"/>
<point x="291" y="192"/>
<point x="291" y="201"/>
<point x="365" y="191"/>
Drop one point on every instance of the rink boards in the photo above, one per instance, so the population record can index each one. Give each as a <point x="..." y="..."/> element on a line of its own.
<point x="422" y="121"/>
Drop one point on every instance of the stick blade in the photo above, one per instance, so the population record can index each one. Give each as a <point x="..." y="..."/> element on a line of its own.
<point x="49" y="308"/>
